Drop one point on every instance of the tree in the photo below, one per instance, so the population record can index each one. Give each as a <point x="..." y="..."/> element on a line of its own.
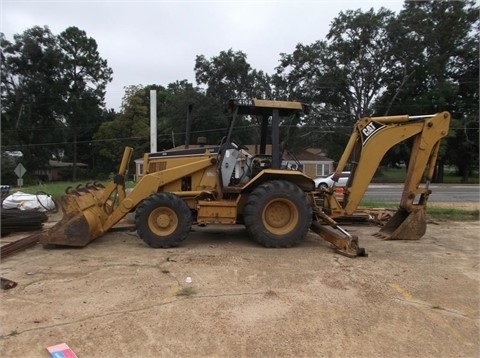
<point x="128" y="128"/>
<point x="132" y="125"/>
<point x="229" y="75"/>
<point x="361" y="47"/>
<point x="340" y="77"/>
<point x="84" y="78"/>
<point x="31" y="96"/>
<point x="207" y="115"/>
<point x="53" y="89"/>
<point x="437" y="45"/>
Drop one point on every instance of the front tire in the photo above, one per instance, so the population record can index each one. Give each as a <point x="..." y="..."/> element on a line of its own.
<point x="277" y="214"/>
<point x="163" y="220"/>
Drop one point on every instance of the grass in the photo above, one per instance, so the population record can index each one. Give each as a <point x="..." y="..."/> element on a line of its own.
<point x="398" y="176"/>
<point x="57" y="189"/>
<point x="453" y="214"/>
<point x="186" y="291"/>
<point x="433" y="212"/>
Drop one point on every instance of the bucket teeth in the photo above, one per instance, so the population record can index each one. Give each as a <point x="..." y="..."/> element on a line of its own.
<point x="81" y="189"/>
<point x="98" y="185"/>
<point x="381" y="236"/>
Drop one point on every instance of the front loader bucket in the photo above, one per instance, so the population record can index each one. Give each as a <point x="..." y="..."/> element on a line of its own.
<point x="405" y="225"/>
<point x="81" y="222"/>
<point x="87" y="211"/>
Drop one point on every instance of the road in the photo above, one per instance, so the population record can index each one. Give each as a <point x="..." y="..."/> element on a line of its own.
<point x="441" y="193"/>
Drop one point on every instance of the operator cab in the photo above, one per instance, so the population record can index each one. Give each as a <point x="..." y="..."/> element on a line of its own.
<point x="237" y="165"/>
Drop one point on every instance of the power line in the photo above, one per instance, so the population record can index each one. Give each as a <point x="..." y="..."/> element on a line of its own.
<point x="168" y="136"/>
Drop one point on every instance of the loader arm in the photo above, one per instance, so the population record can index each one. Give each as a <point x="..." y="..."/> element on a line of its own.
<point x="370" y="140"/>
<point x="149" y="184"/>
<point x="90" y="213"/>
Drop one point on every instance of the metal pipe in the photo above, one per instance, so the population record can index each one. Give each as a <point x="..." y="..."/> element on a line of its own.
<point x="153" y="121"/>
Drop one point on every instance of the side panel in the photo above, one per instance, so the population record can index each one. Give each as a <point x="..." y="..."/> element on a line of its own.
<point x="216" y="212"/>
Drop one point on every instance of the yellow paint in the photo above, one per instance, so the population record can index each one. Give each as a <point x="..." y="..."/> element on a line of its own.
<point x="403" y="292"/>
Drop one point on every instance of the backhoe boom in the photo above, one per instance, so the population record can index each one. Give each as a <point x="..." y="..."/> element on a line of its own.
<point x="371" y="139"/>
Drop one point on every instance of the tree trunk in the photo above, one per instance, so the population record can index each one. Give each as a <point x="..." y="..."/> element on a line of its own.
<point x="439" y="171"/>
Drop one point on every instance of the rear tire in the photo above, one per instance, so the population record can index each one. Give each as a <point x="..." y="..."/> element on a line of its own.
<point x="163" y="220"/>
<point x="278" y="214"/>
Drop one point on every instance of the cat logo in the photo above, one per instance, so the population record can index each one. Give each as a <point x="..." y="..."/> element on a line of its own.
<point x="370" y="130"/>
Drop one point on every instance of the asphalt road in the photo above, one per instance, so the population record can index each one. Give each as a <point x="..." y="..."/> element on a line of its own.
<point x="441" y="193"/>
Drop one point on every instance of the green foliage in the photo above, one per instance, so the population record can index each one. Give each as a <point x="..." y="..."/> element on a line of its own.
<point x="340" y="78"/>
<point x="398" y="175"/>
<point x="67" y="173"/>
<point x="433" y="212"/>
<point x="32" y="96"/>
<point x="131" y="127"/>
<point x="207" y="116"/>
<point x="419" y="61"/>
<point x="453" y="214"/>
<point x="84" y="76"/>
<point x="8" y="176"/>
<point x="437" y="46"/>
<point x="186" y="291"/>
<point x="53" y="94"/>
<point x="57" y="189"/>
<point x="229" y="75"/>
<point x="422" y="61"/>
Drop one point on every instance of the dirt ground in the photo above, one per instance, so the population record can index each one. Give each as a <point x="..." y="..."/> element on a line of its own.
<point x="119" y="298"/>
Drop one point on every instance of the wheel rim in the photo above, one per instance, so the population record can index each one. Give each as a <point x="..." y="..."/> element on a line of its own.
<point x="280" y="216"/>
<point x="163" y="221"/>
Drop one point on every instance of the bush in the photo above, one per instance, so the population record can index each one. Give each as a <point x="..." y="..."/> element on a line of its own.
<point x="66" y="174"/>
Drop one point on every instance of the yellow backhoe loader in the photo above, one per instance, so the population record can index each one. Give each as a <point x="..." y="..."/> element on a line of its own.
<point x="228" y="185"/>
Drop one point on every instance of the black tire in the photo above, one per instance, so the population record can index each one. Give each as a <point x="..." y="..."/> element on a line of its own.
<point x="277" y="214"/>
<point x="163" y="220"/>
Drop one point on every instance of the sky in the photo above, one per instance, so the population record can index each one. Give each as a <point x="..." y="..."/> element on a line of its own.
<point x="156" y="41"/>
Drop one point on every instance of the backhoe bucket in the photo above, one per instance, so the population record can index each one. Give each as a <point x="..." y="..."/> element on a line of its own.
<point x="81" y="222"/>
<point x="404" y="225"/>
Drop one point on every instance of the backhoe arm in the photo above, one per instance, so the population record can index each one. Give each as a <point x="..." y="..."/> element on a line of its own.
<point x="371" y="140"/>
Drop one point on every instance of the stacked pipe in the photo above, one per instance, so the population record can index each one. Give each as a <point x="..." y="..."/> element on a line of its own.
<point x="14" y="220"/>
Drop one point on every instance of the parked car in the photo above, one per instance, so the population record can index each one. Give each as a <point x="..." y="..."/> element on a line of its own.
<point x="327" y="182"/>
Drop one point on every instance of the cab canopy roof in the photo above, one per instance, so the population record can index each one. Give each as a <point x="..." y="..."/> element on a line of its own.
<point x="264" y="107"/>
